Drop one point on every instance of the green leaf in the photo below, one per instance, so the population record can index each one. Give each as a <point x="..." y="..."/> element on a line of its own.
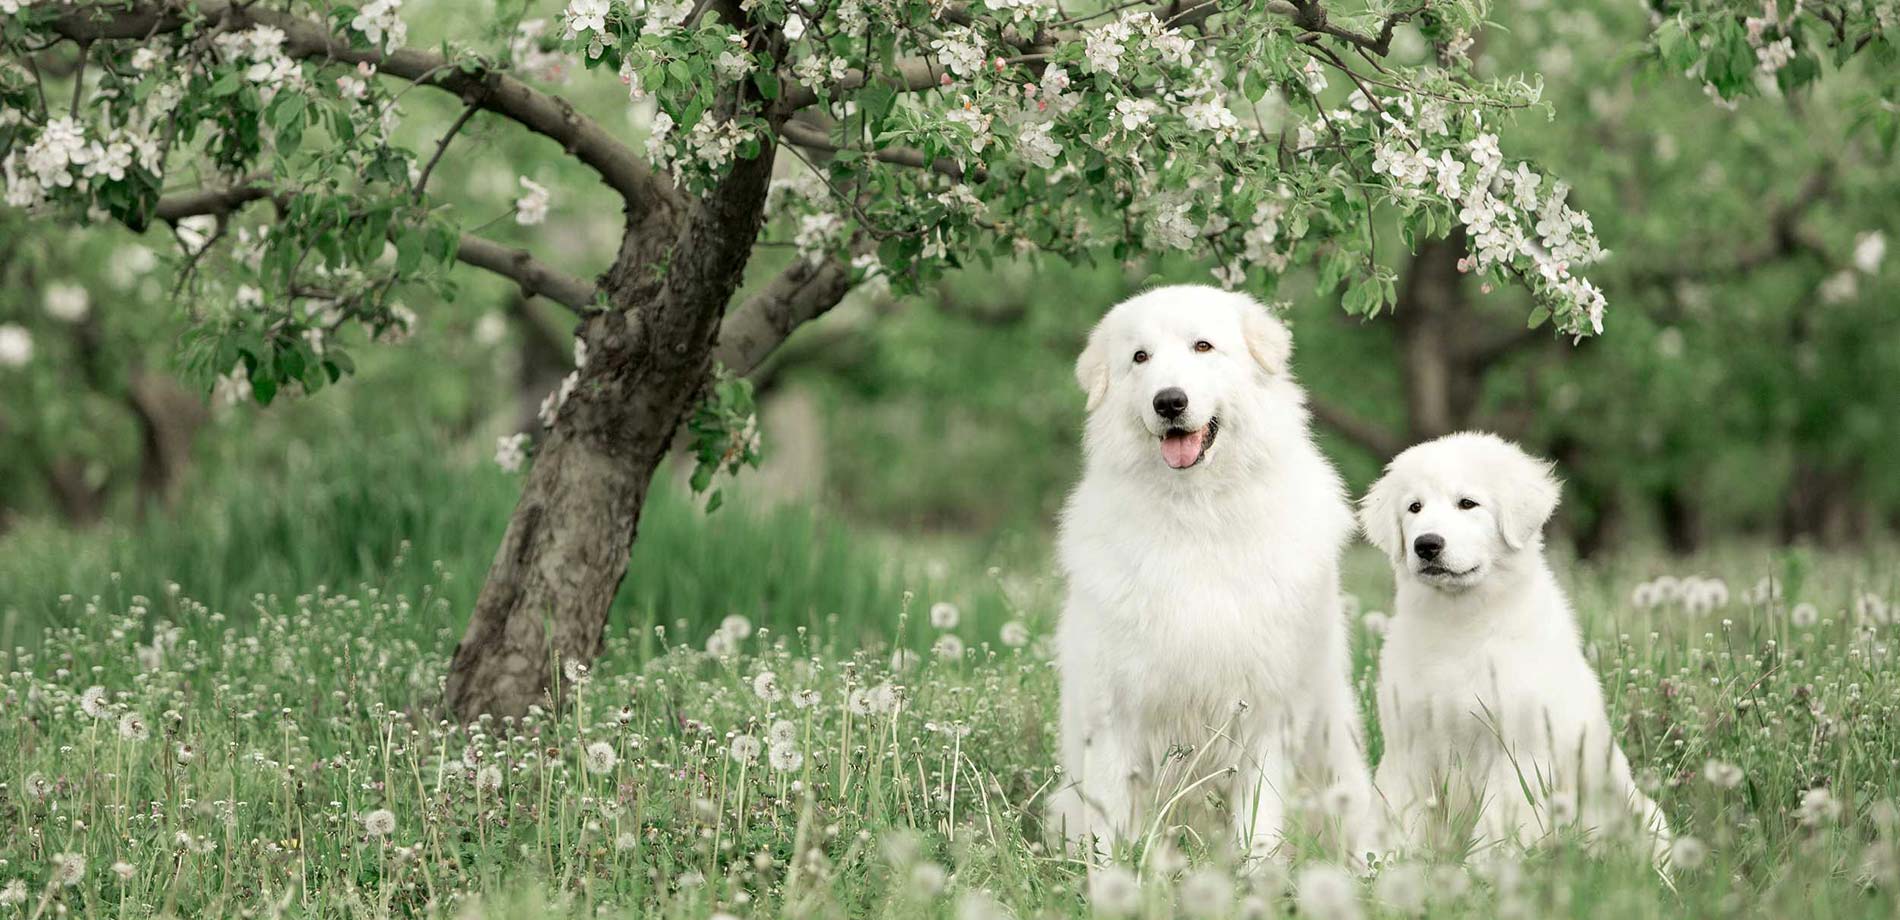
<point x="287" y="107"/>
<point x="1538" y="316"/>
<point x="228" y="84"/>
<point x="875" y="101"/>
<point x="410" y="246"/>
<point x="767" y="83"/>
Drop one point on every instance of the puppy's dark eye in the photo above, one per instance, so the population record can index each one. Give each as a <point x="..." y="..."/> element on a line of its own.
<point x="1466" y="504"/>
<point x="1203" y="346"/>
<point x="1141" y="357"/>
<point x="1416" y="507"/>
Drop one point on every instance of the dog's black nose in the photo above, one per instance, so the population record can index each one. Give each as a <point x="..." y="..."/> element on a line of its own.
<point x="1171" y="402"/>
<point x="1428" y="546"/>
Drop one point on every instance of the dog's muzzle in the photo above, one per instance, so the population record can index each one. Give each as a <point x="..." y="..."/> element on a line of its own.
<point x="1182" y="448"/>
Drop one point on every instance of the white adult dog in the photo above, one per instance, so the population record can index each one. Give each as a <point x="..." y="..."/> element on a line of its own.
<point x="1202" y="646"/>
<point x="1492" y="718"/>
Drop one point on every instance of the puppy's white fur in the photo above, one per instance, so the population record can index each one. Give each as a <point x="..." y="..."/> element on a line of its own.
<point x="1203" y="629"/>
<point x="1487" y="704"/>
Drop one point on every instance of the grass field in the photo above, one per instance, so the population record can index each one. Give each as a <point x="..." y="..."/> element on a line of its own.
<point x="241" y="722"/>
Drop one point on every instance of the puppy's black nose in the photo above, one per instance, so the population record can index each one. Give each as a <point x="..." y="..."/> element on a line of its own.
<point x="1171" y="402"/>
<point x="1428" y="546"/>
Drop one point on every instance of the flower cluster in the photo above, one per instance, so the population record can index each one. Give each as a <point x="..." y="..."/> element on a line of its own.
<point x="1517" y="221"/>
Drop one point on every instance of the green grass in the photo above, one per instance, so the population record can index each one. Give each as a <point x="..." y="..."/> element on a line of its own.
<point x="403" y="520"/>
<point x="917" y="782"/>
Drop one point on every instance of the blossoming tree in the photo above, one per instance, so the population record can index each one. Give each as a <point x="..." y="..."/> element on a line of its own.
<point x="886" y="140"/>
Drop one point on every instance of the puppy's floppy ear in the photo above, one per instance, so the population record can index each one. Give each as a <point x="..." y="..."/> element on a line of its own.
<point x="1091" y="368"/>
<point x="1527" y="496"/>
<point x="1379" y="517"/>
<point x="1267" y="338"/>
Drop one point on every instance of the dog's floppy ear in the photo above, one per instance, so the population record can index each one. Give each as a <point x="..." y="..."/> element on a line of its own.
<point x="1379" y="517"/>
<point x="1091" y="369"/>
<point x="1527" y="496"/>
<point x="1267" y="338"/>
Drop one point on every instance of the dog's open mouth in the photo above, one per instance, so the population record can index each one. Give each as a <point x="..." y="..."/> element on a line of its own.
<point x="1439" y="571"/>
<point x="1182" y="448"/>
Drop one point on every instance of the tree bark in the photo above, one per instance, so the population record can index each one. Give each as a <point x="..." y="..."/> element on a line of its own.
<point x="1425" y="316"/>
<point x="168" y="418"/>
<point x="1681" y="519"/>
<point x="566" y="549"/>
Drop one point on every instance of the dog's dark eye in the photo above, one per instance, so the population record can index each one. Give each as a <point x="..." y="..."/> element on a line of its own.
<point x="1203" y="346"/>
<point x="1141" y="357"/>
<point x="1416" y="507"/>
<point x="1467" y="504"/>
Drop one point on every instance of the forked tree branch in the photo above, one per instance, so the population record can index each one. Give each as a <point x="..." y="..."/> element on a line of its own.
<point x="475" y="82"/>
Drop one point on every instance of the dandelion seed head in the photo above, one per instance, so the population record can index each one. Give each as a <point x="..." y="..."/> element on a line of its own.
<point x="1206" y="892"/>
<point x="944" y="615"/>
<point x="1114" y="891"/>
<point x="1326" y="892"/>
<point x="1687" y="853"/>
<point x="1722" y="774"/>
<point x="600" y="757"/>
<point x="379" y="823"/>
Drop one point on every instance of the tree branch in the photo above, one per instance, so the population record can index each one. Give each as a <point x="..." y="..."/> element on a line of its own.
<point x="215" y="201"/>
<point x="550" y="116"/>
<point x="800" y="293"/>
<point x="913" y="76"/>
<point x="812" y="137"/>
<point x="518" y="265"/>
<point x="1311" y="16"/>
<point x="532" y="276"/>
<point x="1381" y="442"/>
<point x="442" y="147"/>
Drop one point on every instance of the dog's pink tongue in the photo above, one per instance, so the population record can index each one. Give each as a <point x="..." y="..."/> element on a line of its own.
<point x="1181" y="450"/>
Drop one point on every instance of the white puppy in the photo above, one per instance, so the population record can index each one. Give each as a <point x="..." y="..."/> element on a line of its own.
<point x="1493" y="720"/>
<point x="1202" y="646"/>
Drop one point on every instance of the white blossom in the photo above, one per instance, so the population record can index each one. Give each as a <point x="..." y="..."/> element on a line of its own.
<point x="1870" y="249"/>
<point x="532" y="207"/>
<point x="1036" y="146"/>
<point x="380" y="21"/>
<point x="583" y="16"/>
<point x="16" y="345"/>
<point x="961" y="51"/>
<point x="1103" y="46"/>
<point x="511" y="452"/>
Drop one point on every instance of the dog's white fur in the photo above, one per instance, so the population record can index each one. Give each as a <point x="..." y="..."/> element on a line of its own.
<point x="1203" y="629"/>
<point x="1488" y="706"/>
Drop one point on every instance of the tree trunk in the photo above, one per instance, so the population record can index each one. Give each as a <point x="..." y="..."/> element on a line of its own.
<point x="169" y="418"/>
<point x="1424" y="316"/>
<point x="567" y="545"/>
<point x="1681" y="520"/>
